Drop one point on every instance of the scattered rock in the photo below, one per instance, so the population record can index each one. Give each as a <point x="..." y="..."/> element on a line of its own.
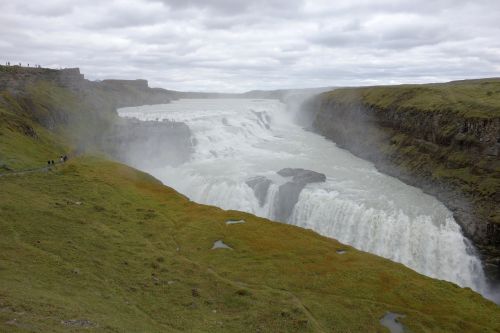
<point x="341" y="251"/>
<point x="170" y="282"/>
<point x="220" y="245"/>
<point x="81" y="323"/>
<point x="195" y="292"/>
<point x="75" y="271"/>
<point x="389" y="320"/>
<point x="228" y="222"/>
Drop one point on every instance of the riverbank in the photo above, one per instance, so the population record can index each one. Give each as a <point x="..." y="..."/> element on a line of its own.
<point x="443" y="138"/>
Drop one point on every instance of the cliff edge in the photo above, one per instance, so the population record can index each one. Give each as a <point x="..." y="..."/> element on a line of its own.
<point x="443" y="138"/>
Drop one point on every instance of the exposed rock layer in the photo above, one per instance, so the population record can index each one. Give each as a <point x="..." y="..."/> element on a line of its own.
<point x="448" y="152"/>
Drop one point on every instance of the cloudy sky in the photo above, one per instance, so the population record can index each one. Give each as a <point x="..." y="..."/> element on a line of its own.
<point x="232" y="45"/>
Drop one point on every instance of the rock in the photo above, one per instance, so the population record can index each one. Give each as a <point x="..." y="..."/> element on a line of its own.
<point x="195" y="292"/>
<point x="288" y="193"/>
<point x="260" y="186"/>
<point x="302" y="175"/>
<point x="229" y="222"/>
<point x="80" y="323"/>
<point x="288" y="196"/>
<point x="389" y="320"/>
<point x="220" y="245"/>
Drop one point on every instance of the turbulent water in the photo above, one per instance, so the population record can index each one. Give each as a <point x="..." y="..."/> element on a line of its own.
<point x="236" y="140"/>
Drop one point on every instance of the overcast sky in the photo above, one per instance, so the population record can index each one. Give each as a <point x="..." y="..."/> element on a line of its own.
<point x="231" y="45"/>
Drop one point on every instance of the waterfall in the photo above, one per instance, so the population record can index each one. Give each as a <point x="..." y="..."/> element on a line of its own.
<point x="237" y="139"/>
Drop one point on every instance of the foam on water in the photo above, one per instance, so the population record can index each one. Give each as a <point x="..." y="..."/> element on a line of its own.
<point x="239" y="139"/>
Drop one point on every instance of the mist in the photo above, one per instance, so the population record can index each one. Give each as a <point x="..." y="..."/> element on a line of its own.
<point x="240" y="149"/>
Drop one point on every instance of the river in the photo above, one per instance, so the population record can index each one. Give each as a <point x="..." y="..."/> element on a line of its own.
<point x="238" y="139"/>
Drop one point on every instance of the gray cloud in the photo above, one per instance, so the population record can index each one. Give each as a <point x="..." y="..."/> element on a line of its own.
<point x="230" y="45"/>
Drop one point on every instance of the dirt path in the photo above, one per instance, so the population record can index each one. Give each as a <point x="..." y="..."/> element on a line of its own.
<point x="26" y="171"/>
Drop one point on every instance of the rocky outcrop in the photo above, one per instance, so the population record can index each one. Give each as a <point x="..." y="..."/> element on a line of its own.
<point x="15" y="79"/>
<point x="260" y="186"/>
<point x="438" y="138"/>
<point x="288" y="193"/>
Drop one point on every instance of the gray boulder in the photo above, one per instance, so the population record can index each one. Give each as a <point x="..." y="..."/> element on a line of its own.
<point x="288" y="193"/>
<point x="260" y="186"/>
<point x="302" y="175"/>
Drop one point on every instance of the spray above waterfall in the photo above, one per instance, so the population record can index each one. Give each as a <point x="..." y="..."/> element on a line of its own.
<point x="242" y="147"/>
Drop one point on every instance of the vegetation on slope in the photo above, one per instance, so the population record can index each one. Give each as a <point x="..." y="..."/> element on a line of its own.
<point x="94" y="245"/>
<point x="114" y="248"/>
<point x="468" y="98"/>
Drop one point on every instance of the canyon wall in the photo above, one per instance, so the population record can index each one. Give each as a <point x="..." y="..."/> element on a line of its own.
<point x="442" y="138"/>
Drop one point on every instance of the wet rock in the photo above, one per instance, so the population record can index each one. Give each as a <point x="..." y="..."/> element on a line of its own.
<point x="288" y="193"/>
<point x="302" y="175"/>
<point x="260" y="186"/>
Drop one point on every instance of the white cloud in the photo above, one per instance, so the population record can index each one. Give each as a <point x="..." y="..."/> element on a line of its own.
<point x="229" y="45"/>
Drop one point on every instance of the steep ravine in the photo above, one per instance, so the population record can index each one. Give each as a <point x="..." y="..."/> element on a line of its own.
<point x="443" y="138"/>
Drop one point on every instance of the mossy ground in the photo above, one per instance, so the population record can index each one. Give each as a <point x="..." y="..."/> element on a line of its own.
<point x="99" y="241"/>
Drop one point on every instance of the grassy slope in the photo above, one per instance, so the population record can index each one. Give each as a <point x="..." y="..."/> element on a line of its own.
<point x="24" y="144"/>
<point x="100" y="241"/>
<point x="470" y="98"/>
<point x="109" y="260"/>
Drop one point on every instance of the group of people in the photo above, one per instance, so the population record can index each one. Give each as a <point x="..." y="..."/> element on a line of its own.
<point x="62" y="159"/>
<point x="35" y="66"/>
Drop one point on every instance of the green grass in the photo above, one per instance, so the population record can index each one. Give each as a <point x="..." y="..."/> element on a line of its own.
<point x="471" y="98"/>
<point x="24" y="144"/>
<point x="99" y="240"/>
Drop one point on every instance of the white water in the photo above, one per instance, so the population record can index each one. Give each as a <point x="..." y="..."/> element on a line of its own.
<point x="238" y="139"/>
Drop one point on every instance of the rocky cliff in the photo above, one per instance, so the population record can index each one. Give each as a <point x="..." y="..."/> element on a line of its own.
<point x="443" y="138"/>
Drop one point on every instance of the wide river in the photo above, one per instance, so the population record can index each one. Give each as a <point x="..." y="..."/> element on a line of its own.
<point x="237" y="139"/>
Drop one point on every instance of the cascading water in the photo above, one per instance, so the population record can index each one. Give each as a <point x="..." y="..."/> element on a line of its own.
<point x="238" y="139"/>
